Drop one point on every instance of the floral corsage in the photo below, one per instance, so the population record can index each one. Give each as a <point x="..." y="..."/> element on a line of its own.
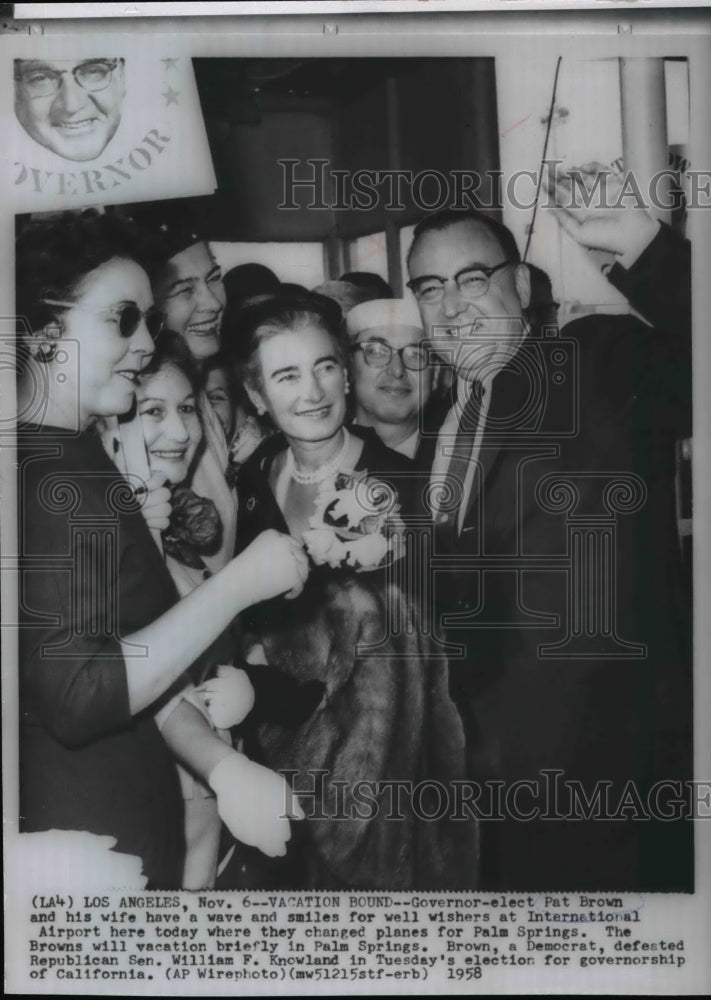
<point x="356" y="523"/>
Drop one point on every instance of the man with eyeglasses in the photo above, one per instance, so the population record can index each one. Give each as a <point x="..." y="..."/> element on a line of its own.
<point x="556" y="515"/>
<point x="71" y="107"/>
<point x="391" y="372"/>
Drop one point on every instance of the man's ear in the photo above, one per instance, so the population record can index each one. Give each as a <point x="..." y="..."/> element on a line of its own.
<point x="522" y="279"/>
<point x="257" y="399"/>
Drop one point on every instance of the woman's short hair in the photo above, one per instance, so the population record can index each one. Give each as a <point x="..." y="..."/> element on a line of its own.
<point x="54" y="254"/>
<point x="281" y="314"/>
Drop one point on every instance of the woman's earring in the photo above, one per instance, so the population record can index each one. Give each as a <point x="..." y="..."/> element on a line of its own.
<point x="47" y="351"/>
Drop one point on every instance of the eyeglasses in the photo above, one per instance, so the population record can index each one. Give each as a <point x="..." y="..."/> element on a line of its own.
<point x="379" y="355"/>
<point x="472" y="282"/>
<point x="45" y="81"/>
<point x="128" y="317"/>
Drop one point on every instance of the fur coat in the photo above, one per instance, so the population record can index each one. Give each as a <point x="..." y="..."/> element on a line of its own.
<point x="378" y="760"/>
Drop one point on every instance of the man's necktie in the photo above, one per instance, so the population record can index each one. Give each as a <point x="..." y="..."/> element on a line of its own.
<point x="460" y="461"/>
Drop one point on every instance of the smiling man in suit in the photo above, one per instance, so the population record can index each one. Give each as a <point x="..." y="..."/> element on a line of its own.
<point x="554" y="514"/>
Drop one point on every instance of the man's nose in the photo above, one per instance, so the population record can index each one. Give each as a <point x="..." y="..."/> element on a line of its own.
<point x="70" y="96"/>
<point x="395" y="366"/>
<point x="453" y="303"/>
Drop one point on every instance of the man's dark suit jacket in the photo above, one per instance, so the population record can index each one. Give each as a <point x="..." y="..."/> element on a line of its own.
<point x="566" y="590"/>
<point x="431" y="419"/>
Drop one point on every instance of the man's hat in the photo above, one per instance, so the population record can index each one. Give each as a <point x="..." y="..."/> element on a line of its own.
<point x="379" y="313"/>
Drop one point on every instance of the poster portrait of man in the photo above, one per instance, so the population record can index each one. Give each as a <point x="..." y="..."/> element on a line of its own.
<point x="83" y="121"/>
<point x="73" y="108"/>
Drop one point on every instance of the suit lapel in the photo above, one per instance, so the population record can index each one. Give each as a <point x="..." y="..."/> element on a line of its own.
<point x="433" y="416"/>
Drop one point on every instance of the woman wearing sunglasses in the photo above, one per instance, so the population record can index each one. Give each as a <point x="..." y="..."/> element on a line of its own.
<point x="103" y="634"/>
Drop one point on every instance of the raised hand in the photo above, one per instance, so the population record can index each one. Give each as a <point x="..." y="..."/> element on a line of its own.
<point x="590" y="205"/>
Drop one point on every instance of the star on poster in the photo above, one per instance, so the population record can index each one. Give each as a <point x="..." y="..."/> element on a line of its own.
<point x="94" y="123"/>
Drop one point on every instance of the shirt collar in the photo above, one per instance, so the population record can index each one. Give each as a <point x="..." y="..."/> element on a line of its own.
<point x="408" y="447"/>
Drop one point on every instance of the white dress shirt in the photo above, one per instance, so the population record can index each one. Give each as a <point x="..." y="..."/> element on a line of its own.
<point x="445" y="443"/>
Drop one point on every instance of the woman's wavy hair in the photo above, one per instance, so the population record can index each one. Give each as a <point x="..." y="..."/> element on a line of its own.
<point x="54" y="254"/>
<point x="172" y="351"/>
<point x="283" y="314"/>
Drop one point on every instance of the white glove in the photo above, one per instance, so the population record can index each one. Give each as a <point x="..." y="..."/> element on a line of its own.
<point x="254" y="803"/>
<point x="227" y="698"/>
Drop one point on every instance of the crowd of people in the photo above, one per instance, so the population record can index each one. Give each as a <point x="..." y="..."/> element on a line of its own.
<point x="287" y="554"/>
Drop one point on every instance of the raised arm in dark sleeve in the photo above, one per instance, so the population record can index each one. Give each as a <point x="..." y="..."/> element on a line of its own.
<point x="658" y="283"/>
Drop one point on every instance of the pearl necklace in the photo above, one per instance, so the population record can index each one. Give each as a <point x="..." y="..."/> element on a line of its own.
<point x="323" y="471"/>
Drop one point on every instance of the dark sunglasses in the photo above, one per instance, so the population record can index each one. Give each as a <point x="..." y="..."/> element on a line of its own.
<point x="128" y="316"/>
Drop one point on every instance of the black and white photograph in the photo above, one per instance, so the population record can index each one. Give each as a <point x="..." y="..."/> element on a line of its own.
<point x="353" y="475"/>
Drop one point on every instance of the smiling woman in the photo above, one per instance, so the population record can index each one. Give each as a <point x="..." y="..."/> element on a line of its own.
<point x="358" y="633"/>
<point x="191" y="292"/>
<point x="167" y="405"/>
<point x="97" y="298"/>
<point x="71" y="107"/>
<point x="99" y="612"/>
